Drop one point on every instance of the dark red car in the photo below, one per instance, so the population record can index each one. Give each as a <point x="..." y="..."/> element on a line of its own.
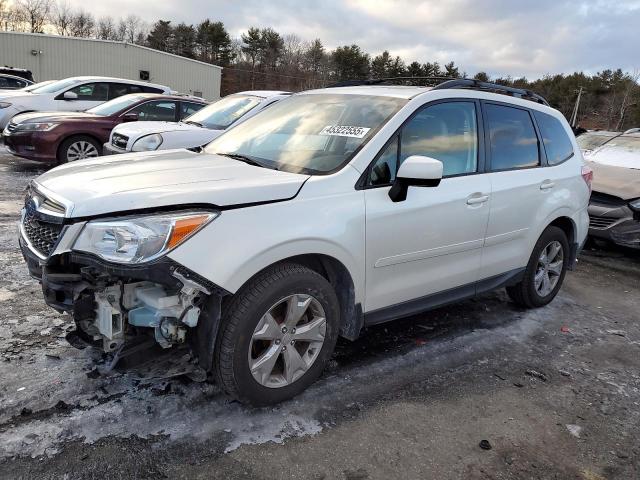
<point x="59" y="137"/>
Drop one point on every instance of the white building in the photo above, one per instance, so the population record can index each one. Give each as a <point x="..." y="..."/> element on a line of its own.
<point x="52" y="57"/>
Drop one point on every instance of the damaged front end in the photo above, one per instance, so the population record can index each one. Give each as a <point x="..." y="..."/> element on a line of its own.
<point x="114" y="278"/>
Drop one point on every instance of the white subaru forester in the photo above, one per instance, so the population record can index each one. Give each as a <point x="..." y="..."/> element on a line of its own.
<point x="333" y="210"/>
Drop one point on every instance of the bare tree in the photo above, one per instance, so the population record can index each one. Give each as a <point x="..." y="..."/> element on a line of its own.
<point x="35" y="13"/>
<point x="106" y="29"/>
<point x="61" y="17"/>
<point x="630" y="96"/>
<point x="82" y="25"/>
<point x="134" y="26"/>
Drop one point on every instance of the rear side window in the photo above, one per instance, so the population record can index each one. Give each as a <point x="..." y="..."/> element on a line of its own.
<point x="117" y="90"/>
<point x="554" y="137"/>
<point x="151" y="89"/>
<point x="514" y="143"/>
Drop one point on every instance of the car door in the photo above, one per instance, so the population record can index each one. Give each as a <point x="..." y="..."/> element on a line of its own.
<point x="432" y="241"/>
<point x="88" y="95"/>
<point x="518" y="186"/>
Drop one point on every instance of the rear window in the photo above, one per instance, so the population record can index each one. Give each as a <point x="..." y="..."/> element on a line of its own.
<point x="514" y="143"/>
<point x="554" y="137"/>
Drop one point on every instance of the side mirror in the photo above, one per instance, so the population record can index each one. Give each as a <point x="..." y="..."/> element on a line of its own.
<point x="130" y="117"/>
<point x="415" y="171"/>
<point x="70" y="96"/>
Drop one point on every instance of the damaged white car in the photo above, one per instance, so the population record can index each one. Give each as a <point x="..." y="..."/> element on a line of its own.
<point x="330" y="211"/>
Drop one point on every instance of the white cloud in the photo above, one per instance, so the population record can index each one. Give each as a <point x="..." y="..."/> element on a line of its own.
<point x="498" y="36"/>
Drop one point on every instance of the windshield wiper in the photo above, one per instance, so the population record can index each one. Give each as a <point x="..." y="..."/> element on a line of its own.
<point x="243" y="158"/>
<point x="191" y="122"/>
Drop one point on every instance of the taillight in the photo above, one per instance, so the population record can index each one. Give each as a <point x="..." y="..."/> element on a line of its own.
<point x="587" y="176"/>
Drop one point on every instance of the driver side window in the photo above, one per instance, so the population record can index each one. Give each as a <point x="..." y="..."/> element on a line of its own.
<point x="445" y="131"/>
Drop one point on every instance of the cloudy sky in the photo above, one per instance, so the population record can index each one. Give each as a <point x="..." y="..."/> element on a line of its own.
<point x="516" y="37"/>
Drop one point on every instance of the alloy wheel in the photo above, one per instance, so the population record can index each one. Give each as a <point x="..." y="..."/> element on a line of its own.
<point x="80" y="150"/>
<point x="287" y="340"/>
<point x="549" y="269"/>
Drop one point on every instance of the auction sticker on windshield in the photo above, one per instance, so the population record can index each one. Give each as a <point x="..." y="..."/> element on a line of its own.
<point x="344" y="131"/>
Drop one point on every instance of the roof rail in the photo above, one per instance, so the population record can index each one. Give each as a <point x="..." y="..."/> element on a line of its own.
<point x="390" y="80"/>
<point x="494" y="88"/>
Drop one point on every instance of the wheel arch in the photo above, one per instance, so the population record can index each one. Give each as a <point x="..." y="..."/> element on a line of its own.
<point x="74" y="135"/>
<point x="570" y="229"/>
<point x="338" y="275"/>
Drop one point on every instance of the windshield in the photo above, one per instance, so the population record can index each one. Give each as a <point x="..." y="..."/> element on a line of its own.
<point x="591" y="141"/>
<point x="223" y="113"/>
<point x="56" y="86"/>
<point x="312" y="134"/>
<point x="35" y="86"/>
<point x="620" y="152"/>
<point x="115" y="105"/>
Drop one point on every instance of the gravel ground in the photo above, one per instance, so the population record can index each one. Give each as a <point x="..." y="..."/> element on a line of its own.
<point x="554" y="392"/>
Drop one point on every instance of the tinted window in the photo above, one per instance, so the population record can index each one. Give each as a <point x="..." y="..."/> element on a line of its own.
<point x="12" y="83"/>
<point x="514" y="143"/>
<point x="189" y="108"/>
<point x="151" y="89"/>
<point x="160" y="111"/>
<point x="92" y="91"/>
<point x="383" y="171"/>
<point x="117" y="90"/>
<point x="446" y="132"/>
<point x="555" y="139"/>
<point x="135" y="89"/>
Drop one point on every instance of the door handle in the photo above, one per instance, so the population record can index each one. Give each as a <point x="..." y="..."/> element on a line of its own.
<point x="476" y="199"/>
<point x="546" y="185"/>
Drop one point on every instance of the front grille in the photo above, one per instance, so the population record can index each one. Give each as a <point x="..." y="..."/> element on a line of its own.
<point x="42" y="236"/>
<point x="119" y="141"/>
<point x="11" y="127"/>
<point x="601" y="222"/>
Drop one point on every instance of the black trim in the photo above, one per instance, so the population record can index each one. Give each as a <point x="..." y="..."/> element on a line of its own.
<point x="440" y="299"/>
<point x="472" y="84"/>
<point x="400" y="188"/>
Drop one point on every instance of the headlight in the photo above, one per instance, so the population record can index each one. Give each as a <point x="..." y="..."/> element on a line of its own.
<point x="141" y="239"/>
<point x="635" y="204"/>
<point x="5" y="104"/>
<point x="148" y="142"/>
<point x="35" y="127"/>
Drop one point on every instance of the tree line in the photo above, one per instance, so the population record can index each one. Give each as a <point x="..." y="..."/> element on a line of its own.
<point x="262" y="58"/>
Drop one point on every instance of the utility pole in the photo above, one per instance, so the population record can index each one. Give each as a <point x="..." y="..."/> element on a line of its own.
<point x="574" y="115"/>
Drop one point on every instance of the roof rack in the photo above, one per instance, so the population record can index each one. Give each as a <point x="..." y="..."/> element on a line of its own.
<point x="494" y="88"/>
<point x="390" y="81"/>
<point x="442" y="83"/>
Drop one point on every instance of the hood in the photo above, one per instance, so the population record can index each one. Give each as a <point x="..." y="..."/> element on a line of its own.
<point x="53" y="117"/>
<point x="618" y="181"/>
<point x="168" y="178"/>
<point x="139" y="129"/>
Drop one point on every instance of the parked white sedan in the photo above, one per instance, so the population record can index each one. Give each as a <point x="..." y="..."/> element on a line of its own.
<point x="195" y="131"/>
<point x="71" y="94"/>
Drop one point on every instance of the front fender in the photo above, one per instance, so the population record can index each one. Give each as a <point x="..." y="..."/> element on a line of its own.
<point x="242" y="242"/>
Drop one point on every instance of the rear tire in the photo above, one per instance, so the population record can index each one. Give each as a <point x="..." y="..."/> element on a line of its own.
<point x="78" y="147"/>
<point x="545" y="271"/>
<point x="251" y="360"/>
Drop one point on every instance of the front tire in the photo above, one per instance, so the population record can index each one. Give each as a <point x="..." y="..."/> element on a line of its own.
<point x="276" y="335"/>
<point x="78" y="147"/>
<point x="545" y="271"/>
